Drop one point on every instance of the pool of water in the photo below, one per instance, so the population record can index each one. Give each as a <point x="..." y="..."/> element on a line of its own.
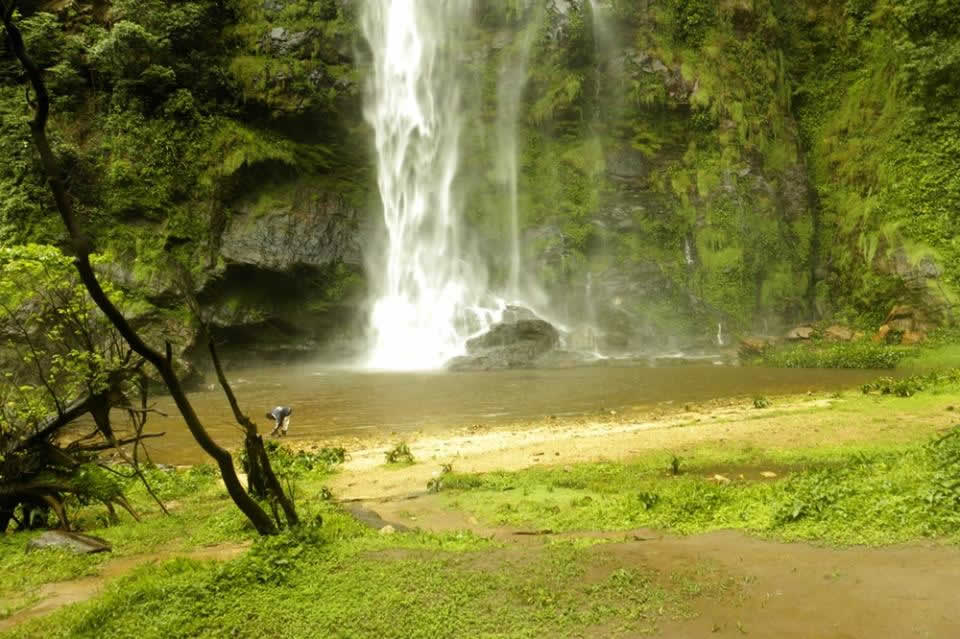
<point x="348" y="402"/>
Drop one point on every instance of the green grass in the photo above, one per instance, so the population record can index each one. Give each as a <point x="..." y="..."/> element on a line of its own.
<point x="21" y="571"/>
<point x="935" y="357"/>
<point x="910" y="386"/>
<point x="202" y="515"/>
<point x="864" y="495"/>
<point x="342" y="580"/>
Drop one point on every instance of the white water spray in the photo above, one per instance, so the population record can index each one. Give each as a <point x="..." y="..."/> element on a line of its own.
<point x="513" y="80"/>
<point x="427" y="288"/>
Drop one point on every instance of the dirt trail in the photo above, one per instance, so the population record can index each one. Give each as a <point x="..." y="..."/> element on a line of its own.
<point x="53" y="596"/>
<point x="804" y="592"/>
<point x="787" y="590"/>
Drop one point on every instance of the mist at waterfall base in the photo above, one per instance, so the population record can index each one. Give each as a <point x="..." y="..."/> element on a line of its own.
<point x="433" y="284"/>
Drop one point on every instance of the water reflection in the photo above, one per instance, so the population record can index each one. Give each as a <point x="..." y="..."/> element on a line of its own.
<point x="344" y="402"/>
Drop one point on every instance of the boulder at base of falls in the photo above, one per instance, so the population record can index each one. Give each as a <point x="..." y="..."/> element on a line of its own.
<point x="839" y="333"/>
<point x="508" y="345"/>
<point x="799" y="333"/>
<point x="74" y="542"/>
<point x="752" y="347"/>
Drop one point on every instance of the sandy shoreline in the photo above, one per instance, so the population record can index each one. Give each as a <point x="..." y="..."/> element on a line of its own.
<point x="792" y="421"/>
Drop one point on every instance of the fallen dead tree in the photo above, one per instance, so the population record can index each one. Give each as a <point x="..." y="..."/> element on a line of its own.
<point x="46" y="466"/>
<point x="64" y="372"/>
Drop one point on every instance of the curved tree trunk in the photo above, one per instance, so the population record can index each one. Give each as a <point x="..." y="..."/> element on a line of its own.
<point x="256" y="484"/>
<point x="261" y="476"/>
<point x="6" y="514"/>
<point x="82" y="248"/>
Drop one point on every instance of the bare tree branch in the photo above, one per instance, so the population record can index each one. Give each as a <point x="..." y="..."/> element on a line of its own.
<point x="121" y="442"/>
<point x="254" y="440"/>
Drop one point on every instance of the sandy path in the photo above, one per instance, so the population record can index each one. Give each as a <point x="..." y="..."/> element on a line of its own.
<point x="795" y="422"/>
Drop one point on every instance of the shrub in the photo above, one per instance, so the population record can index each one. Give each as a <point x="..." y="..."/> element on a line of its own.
<point x="910" y="386"/>
<point x="293" y="464"/>
<point x="399" y="454"/>
<point x="841" y="355"/>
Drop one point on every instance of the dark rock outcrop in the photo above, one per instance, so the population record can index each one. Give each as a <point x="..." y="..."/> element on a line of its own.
<point x="290" y="275"/>
<point x="508" y="345"/>
<point x="923" y="280"/>
<point x="513" y="314"/>
<point x="283" y="41"/>
<point x="306" y="228"/>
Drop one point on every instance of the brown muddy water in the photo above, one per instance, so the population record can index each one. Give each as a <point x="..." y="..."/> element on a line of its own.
<point x="340" y="402"/>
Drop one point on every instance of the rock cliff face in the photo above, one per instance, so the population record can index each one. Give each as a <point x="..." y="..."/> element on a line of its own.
<point x="305" y="227"/>
<point x="683" y="165"/>
<point x="290" y="280"/>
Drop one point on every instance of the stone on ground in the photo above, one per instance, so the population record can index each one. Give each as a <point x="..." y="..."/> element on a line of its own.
<point x="74" y="542"/>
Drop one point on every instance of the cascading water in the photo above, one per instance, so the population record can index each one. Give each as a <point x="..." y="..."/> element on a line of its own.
<point x="512" y="81"/>
<point x="428" y="289"/>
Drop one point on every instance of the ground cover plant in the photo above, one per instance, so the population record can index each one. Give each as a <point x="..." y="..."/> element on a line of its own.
<point x="333" y="576"/>
<point x="909" y="386"/>
<point x="341" y="579"/>
<point x="866" y="495"/>
<point x="821" y="354"/>
<point x="201" y="516"/>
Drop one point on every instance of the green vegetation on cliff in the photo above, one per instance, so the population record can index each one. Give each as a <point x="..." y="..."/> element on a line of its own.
<point x="168" y="115"/>
<point x="752" y="163"/>
<point x="680" y="163"/>
<point x="877" y="102"/>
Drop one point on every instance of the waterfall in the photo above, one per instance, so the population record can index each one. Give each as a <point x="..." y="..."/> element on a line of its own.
<point x="600" y="10"/>
<point x="513" y="79"/>
<point x="591" y="314"/>
<point x="426" y="286"/>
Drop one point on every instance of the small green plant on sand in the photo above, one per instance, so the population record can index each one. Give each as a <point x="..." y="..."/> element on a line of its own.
<point x="761" y="402"/>
<point x="435" y="485"/>
<point x="675" y="463"/>
<point x="399" y="454"/>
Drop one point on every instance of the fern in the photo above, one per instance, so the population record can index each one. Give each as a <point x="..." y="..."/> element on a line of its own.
<point x="557" y="98"/>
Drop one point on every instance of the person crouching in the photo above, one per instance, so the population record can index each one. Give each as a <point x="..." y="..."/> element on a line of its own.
<point x="281" y="415"/>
